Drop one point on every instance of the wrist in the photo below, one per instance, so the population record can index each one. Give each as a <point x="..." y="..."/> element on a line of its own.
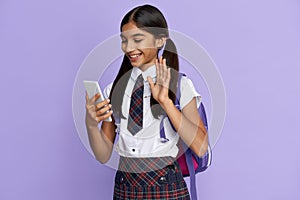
<point x="167" y="104"/>
<point x="91" y="128"/>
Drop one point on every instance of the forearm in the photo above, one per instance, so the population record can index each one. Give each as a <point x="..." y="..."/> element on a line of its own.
<point x="190" y="131"/>
<point x="101" y="145"/>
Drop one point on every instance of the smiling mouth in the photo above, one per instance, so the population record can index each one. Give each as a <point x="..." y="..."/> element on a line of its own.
<point x="134" y="57"/>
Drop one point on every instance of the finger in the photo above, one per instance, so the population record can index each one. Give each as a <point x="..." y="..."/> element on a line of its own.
<point x="164" y="66"/>
<point x="157" y="70"/>
<point x="94" y="98"/>
<point x="102" y="104"/>
<point x="168" y="76"/>
<point x="89" y="105"/>
<point x="161" y="68"/>
<point x="98" y="119"/>
<point x="103" y="117"/>
<point x="159" y="77"/>
<point x="103" y="110"/>
<point x="86" y="97"/>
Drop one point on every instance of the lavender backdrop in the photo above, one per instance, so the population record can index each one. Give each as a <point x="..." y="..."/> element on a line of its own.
<point x="255" y="45"/>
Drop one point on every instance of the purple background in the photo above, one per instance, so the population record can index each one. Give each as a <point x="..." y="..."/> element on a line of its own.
<point x="255" y="45"/>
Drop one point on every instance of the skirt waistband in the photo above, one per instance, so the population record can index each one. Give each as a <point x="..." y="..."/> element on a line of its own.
<point x="142" y="165"/>
<point x="168" y="174"/>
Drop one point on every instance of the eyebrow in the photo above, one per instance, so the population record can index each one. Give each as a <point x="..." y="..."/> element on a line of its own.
<point x="134" y="35"/>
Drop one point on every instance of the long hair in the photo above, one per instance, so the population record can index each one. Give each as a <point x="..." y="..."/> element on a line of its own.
<point x="150" y="19"/>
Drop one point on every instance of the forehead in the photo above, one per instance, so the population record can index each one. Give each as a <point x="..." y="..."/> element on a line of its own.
<point x="131" y="30"/>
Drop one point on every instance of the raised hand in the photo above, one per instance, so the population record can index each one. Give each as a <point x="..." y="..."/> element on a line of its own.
<point x="160" y="89"/>
<point x="96" y="113"/>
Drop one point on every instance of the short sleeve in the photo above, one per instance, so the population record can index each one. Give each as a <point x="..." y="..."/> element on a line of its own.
<point x="188" y="92"/>
<point x="106" y="91"/>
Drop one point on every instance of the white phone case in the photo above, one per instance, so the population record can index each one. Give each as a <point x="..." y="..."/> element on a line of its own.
<point x="92" y="88"/>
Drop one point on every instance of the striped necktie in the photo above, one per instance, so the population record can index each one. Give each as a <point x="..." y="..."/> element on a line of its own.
<point x="135" y="118"/>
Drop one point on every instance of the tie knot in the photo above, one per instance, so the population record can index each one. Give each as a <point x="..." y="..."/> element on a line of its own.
<point x="140" y="78"/>
<point x="139" y="81"/>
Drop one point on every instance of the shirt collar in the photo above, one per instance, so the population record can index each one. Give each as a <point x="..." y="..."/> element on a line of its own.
<point x="151" y="71"/>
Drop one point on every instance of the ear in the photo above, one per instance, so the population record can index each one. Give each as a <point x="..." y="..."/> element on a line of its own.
<point x="159" y="42"/>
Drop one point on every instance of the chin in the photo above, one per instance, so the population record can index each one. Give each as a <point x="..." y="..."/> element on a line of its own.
<point x="135" y="64"/>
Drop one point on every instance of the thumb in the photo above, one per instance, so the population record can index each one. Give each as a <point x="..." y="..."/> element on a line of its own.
<point x="86" y="97"/>
<point x="150" y="80"/>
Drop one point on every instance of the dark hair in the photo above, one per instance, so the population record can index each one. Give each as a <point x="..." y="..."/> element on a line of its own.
<point x="150" y="19"/>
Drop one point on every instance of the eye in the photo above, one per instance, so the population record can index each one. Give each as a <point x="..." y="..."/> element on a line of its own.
<point x="123" y="39"/>
<point x="138" y="41"/>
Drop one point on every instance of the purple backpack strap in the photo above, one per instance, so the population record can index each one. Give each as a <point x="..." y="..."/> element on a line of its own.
<point x="190" y="164"/>
<point x="188" y="152"/>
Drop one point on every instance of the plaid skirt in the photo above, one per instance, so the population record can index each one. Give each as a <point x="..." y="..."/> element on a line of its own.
<point x="164" y="183"/>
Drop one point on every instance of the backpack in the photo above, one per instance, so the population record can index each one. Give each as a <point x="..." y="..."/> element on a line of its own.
<point x="190" y="164"/>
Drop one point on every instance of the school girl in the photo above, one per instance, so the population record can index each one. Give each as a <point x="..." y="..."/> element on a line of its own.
<point x="142" y="92"/>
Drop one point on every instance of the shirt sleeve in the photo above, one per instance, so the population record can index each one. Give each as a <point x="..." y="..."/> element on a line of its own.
<point x="188" y="92"/>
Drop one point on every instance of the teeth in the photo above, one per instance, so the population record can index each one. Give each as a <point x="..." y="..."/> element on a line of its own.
<point x="134" y="56"/>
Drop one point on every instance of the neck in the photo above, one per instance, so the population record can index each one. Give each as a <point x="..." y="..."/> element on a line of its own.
<point x="145" y="66"/>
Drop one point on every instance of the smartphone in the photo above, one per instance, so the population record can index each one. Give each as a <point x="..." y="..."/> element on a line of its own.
<point x="92" y="88"/>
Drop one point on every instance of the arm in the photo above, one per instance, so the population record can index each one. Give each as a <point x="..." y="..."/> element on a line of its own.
<point x="188" y="122"/>
<point x="101" y="141"/>
<point x="188" y="125"/>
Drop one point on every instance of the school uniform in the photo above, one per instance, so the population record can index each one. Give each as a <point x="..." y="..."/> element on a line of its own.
<point x="148" y="168"/>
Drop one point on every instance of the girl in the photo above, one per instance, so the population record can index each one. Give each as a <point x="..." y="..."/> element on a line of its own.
<point x="140" y="95"/>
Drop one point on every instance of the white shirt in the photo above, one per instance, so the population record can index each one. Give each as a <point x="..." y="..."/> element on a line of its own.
<point x="147" y="142"/>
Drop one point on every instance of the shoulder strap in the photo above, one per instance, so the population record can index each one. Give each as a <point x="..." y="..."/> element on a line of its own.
<point x="191" y="168"/>
<point x="178" y="92"/>
<point x="188" y="153"/>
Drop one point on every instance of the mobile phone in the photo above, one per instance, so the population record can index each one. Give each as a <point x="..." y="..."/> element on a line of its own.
<point x="92" y="88"/>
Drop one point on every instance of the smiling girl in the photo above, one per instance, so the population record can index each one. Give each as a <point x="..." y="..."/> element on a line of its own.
<point x="142" y="92"/>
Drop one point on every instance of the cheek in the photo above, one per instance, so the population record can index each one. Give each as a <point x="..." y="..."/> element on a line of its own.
<point x="151" y="53"/>
<point x="123" y="47"/>
<point x="146" y="44"/>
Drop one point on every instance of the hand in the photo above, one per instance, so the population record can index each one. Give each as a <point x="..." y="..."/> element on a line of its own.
<point x="160" y="90"/>
<point x="96" y="113"/>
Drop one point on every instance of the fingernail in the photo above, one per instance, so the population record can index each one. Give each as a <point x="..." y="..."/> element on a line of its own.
<point x="108" y="100"/>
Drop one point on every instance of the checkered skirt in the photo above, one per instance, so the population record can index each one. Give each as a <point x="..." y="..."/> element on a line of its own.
<point x="165" y="183"/>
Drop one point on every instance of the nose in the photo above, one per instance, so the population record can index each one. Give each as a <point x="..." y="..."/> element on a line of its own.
<point x="129" y="47"/>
